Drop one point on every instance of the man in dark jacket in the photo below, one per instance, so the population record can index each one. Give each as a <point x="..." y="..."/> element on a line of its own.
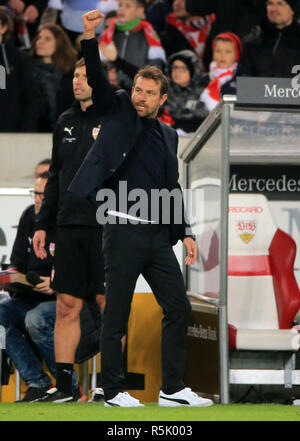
<point x="273" y="47"/>
<point x="78" y="263"/>
<point x="138" y="153"/>
<point x="31" y="300"/>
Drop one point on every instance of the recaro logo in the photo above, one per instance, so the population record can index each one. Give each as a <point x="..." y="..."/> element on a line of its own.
<point x="257" y="209"/>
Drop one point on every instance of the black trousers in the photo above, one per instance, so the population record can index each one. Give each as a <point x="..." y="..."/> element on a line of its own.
<point x="130" y="250"/>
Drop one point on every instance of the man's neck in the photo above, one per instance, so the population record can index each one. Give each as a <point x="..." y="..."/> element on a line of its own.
<point x="85" y="104"/>
<point x="283" y="25"/>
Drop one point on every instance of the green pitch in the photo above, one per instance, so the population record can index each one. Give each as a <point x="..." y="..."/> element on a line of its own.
<point x="151" y="412"/>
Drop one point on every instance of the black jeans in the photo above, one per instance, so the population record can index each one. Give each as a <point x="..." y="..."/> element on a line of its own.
<point x="131" y="250"/>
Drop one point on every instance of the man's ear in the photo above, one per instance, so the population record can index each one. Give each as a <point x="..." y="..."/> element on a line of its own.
<point x="163" y="99"/>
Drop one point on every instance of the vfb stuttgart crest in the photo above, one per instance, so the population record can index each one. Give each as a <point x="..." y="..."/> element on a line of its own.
<point x="95" y="131"/>
<point x="246" y="229"/>
<point x="52" y="248"/>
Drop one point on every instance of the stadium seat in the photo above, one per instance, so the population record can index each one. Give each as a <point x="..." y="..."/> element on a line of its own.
<point x="263" y="294"/>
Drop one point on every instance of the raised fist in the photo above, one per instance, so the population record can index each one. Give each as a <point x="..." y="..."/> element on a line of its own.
<point x="92" y="19"/>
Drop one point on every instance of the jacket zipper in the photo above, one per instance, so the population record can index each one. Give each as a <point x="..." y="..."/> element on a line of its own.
<point x="124" y="47"/>
<point x="277" y="43"/>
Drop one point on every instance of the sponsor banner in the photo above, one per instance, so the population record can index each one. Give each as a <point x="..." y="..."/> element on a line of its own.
<point x="281" y="186"/>
<point x="276" y="182"/>
<point x="277" y="92"/>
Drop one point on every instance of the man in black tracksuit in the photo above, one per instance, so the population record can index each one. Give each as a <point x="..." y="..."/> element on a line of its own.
<point x="78" y="265"/>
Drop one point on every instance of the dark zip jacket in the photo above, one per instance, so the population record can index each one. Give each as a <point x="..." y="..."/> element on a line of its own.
<point x="23" y="258"/>
<point x="74" y="134"/>
<point x="19" y="100"/>
<point x="272" y="52"/>
<point x="121" y="130"/>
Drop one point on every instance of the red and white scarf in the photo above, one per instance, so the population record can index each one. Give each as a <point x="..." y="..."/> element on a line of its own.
<point x="195" y="30"/>
<point x="211" y="95"/>
<point x="155" y="48"/>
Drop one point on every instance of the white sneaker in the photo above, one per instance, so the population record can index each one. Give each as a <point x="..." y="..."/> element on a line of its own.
<point x="123" y="399"/>
<point x="185" y="397"/>
<point x="97" y="395"/>
<point x="296" y="402"/>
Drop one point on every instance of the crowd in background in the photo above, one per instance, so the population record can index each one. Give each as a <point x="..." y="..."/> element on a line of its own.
<point x="201" y="45"/>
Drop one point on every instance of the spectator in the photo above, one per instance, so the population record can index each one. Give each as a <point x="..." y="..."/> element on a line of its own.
<point x="54" y="61"/>
<point x="107" y="21"/>
<point x="134" y="38"/>
<point x="273" y="47"/>
<point x="29" y="298"/>
<point x="223" y="70"/>
<point x="237" y="16"/>
<point x="183" y="106"/>
<point x="19" y="96"/>
<point x="42" y="167"/>
<point x="30" y="11"/>
<point x="157" y="12"/>
<point x="72" y="11"/>
<point x="184" y="31"/>
<point x="116" y="63"/>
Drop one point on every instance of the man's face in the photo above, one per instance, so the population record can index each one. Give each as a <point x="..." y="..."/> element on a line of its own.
<point x="82" y="91"/>
<point x="180" y="73"/>
<point x="179" y="9"/>
<point x="279" y="13"/>
<point x="146" y="98"/>
<point x="129" y="10"/>
<point x="39" y="189"/>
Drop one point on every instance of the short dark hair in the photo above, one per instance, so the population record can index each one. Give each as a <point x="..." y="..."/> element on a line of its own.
<point x="44" y="175"/>
<point x="153" y="73"/>
<point x="44" y="161"/>
<point x="80" y="62"/>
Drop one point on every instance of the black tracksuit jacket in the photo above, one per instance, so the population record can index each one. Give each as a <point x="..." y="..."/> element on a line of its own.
<point x="74" y="134"/>
<point x="23" y="258"/>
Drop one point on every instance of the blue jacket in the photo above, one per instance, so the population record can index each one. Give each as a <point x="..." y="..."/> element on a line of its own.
<point x="120" y="129"/>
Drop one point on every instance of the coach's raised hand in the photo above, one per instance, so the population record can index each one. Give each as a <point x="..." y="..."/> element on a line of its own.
<point x="90" y="21"/>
